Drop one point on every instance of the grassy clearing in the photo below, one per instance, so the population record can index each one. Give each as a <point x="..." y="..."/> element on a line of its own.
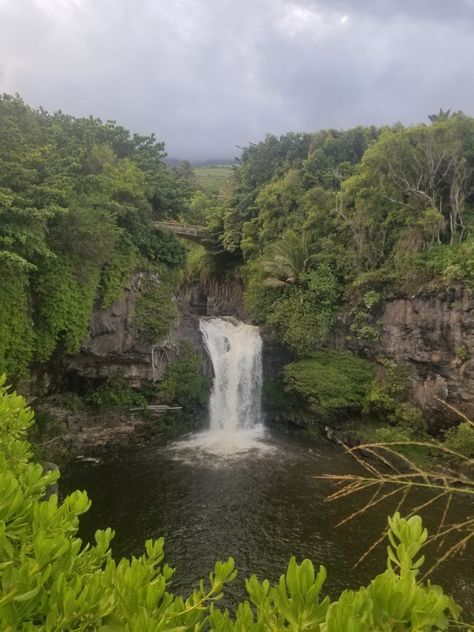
<point x="212" y="179"/>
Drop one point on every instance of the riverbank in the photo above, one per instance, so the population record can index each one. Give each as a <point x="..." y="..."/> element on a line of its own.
<point x="67" y="428"/>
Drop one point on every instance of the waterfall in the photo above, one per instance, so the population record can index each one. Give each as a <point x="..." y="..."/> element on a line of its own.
<point x="235" y="427"/>
<point x="235" y="349"/>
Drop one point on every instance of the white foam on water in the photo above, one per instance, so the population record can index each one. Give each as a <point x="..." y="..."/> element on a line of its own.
<point x="235" y="416"/>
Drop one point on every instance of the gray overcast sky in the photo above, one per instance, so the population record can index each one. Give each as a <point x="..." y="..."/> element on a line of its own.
<point x="206" y="75"/>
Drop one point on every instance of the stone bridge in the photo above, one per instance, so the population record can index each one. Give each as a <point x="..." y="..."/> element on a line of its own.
<point x="187" y="231"/>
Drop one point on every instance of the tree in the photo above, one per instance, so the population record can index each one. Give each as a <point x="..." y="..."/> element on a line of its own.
<point x="287" y="258"/>
<point x="78" y="197"/>
<point x="442" y="115"/>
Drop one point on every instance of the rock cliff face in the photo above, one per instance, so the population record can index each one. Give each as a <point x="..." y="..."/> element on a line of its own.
<point x="113" y="347"/>
<point x="434" y="335"/>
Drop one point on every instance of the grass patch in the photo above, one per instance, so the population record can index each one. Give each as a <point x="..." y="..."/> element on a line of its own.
<point x="212" y="179"/>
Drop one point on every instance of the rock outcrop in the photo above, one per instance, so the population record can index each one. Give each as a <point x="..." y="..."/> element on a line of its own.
<point x="429" y="333"/>
<point x="434" y="335"/>
<point x="113" y="346"/>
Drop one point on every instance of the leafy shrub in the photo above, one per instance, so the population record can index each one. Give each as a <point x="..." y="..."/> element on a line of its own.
<point x="259" y="297"/>
<point x="51" y="581"/>
<point x="371" y="298"/>
<point x="303" y="314"/>
<point x="116" y="272"/>
<point x="16" y="332"/>
<point x="386" y="401"/>
<point x="330" y="381"/>
<point x="303" y="325"/>
<point x="379" y="403"/>
<point x="409" y="417"/>
<point x="453" y="263"/>
<point x="362" y="326"/>
<point x="461" y="439"/>
<point x="156" y="311"/>
<point x="183" y="382"/>
<point x="115" y="392"/>
<point x="463" y="353"/>
<point x="157" y="247"/>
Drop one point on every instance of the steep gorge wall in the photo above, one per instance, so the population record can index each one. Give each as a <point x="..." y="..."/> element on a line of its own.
<point x="114" y="347"/>
<point x="434" y="335"/>
<point x="431" y="333"/>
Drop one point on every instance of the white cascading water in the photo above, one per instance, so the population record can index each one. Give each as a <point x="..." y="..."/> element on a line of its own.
<point x="235" y="350"/>
<point x="235" y="418"/>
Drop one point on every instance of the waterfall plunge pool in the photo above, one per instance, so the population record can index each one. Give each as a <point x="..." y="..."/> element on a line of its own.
<point x="260" y="507"/>
<point x="238" y="490"/>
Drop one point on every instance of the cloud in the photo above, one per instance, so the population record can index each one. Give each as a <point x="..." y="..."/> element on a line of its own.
<point x="206" y="75"/>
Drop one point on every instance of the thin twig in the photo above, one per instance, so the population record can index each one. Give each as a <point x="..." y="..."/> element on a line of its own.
<point x="454" y="410"/>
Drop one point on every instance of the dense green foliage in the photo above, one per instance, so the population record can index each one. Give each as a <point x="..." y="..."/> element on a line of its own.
<point x="330" y="381"/>
<point x="386" y="401"/>
<point x="78" y="198"/>
<point x="116" y="393"/>
<point x="51" y="581"/>
<point x="156" y="310"/>
<point x="184" y="382"/>
<point x="316" y="223"/>
<point x="330" y="221"/>
<point x="16" y="334"/>
<point x="461" y="439"/>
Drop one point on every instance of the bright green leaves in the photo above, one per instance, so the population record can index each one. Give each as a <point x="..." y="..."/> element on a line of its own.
<point x="406" y="539"/>
<point x="352" y="612"/>
<point x="297" y="596"/>
<point x="391" y="603"/>
<point x="395" y="600"/>
<point x="51" y="582"/>
<point x="293" y="604"/>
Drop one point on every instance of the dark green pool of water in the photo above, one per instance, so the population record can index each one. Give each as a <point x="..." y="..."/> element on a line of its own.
<point x="259" y="508"/>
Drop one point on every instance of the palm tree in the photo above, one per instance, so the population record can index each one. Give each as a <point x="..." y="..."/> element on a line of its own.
<point x="287" y="259"/>
<point x="443" y="115"/>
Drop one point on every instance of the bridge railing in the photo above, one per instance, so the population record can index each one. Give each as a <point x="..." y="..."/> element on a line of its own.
<point x="190" y="231"/>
